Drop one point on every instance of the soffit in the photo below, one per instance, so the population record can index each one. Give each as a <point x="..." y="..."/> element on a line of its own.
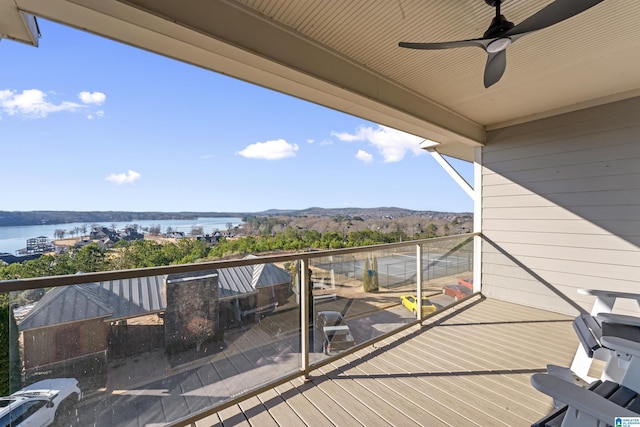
<point x="591" y="56"/>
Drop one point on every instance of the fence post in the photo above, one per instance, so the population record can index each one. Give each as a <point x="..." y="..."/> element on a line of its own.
<point x="428" y="264"/>
<point x="388" y="282"/>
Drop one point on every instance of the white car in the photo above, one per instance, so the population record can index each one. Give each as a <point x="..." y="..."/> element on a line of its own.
<point x="40" y="404"/>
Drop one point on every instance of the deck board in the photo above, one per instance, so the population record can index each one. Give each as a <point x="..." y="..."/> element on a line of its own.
<point x="279" y="409"/>
<point x="231" y="416"/>
<point x="394" y="392"/>
<point x="361" y="412"/>
<point x="303" y="407"/>
<point x="494" y="395"/>
<point x="392" y="396"/>
<point x="469" y="366"/>
<point x="378" y="404"/>
<point x="338" y="415"/>
<point x="434" y="390"/>
<point x="255" y="412"/>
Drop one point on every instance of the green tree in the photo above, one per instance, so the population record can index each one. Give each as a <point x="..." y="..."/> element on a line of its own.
<point x="370" y="279"/>
<point x="90" y="258"/>
<point x="366" y="278"/>
<point x="374" y="268"/>
<point x="9" y="349"/>
<point x="137" y="254"/>
<point x="432" y="230"/>
<point x="38" y="267"/>
<point x="5" y="389"/>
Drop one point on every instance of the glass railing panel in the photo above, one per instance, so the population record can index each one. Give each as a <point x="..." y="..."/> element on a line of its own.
<point x="154" y="350"/>
<point x="447" y="269"/>
<point x="349" y="305"/>
<point x="357" y="297"/>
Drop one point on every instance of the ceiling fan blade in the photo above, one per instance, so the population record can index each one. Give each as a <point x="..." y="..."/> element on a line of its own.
<point x="496" y="64"/>
<point x="551" y="14"/>
<point x="447" y="45"/>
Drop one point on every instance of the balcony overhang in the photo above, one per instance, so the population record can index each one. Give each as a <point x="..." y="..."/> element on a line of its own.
<point x="16" y="25"/>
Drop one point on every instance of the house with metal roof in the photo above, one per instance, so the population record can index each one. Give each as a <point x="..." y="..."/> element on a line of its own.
<point x="89" y="321"/>
<point x="249" y="290"/>
<point x="71" y="322"/>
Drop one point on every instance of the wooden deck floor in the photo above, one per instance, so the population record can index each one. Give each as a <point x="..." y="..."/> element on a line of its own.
<point x="470" y="366"/>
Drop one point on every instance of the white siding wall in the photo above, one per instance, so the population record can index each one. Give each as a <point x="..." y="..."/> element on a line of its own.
<point x="561" y="206"/>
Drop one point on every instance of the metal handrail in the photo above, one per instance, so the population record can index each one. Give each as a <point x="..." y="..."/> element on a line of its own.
<point x="80" y="278"/>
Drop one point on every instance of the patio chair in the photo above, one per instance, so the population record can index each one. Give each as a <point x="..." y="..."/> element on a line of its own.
<point x="603" y="402"/>
<point x="589" y="330"/>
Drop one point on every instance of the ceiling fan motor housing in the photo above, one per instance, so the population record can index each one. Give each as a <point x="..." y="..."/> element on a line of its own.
<point x="499" y="25"/>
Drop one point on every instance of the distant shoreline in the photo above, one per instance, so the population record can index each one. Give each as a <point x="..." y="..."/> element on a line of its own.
<point x="14" y="238"/>
<point x="72" y="241"/>
<point x="27" y="218"/>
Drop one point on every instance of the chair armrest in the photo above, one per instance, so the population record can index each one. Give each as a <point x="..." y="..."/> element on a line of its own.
<point x="606" y="299"/>
<point x="622" y="345"/>
<point x="609" y="294"/>
<point x="580" y="398"/>
<point x="619" y="319"/>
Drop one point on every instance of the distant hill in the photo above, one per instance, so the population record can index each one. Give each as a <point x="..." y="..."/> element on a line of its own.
<point x="13" y="218"/>
<point x="99" y="217"/>
<point x="360" y="212"/>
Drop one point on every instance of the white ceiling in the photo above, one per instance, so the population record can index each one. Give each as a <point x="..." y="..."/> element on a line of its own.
<point x="344" y="54"/>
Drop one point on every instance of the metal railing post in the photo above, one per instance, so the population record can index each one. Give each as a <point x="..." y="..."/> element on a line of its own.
<point x="477" y="220"/>
<point x="306" y="299"/>
<point x="419" y="280"/>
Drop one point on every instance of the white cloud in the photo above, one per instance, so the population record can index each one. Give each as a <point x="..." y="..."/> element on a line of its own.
<point x="123" y="178"/>
<point x="270" y="150"/>
<point x="345" y="136"/>
<point x="392" y="144"/>
<point x="31" y="103"/>
<point x="96" y="98"/>
<point x="310" y="141"/>
<point x="364" y="156"/>
<point x="98" y="114"/>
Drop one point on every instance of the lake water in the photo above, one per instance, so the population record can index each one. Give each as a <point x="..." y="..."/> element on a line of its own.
<point x="15" y="238"/>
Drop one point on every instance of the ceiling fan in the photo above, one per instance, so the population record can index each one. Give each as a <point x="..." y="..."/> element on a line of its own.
<point x="502" y="33"/>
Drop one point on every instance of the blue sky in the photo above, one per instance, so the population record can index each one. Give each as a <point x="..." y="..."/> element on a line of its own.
<point x="90" y="124"/>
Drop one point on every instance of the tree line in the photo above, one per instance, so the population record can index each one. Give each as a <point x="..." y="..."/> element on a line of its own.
<point x="154" y="229"/>
<point x="149" y="253"/>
